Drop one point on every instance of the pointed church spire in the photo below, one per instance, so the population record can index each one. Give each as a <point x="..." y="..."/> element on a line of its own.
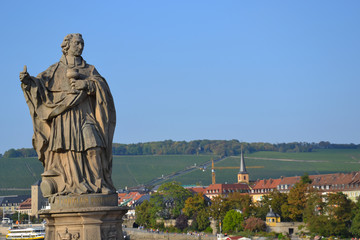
<point x="242" y="163"/>
<point x="243" y="175"/>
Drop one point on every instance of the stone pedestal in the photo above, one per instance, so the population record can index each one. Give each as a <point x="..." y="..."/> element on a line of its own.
<point x="84" y="217"/>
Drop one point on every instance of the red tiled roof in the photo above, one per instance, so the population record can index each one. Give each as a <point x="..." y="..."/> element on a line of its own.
<point x="220" y="188"/>
<point x="197" y="189"/>
<point x="267" y="184"/>
<point x="336" y="178"/>
<point x="122" y="197"/>
<point x="25" y="204"/>
<point x="333" y="179"/>
<point x="289" y="180"/>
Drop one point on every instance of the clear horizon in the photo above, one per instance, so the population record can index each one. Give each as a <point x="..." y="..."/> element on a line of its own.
<point x="254" y="71"/>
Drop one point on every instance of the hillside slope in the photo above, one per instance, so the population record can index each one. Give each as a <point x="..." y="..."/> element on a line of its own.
<point x="130" y="171"/>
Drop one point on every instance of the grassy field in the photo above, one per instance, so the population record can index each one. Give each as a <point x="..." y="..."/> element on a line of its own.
<point x="133" y="170"/>
<point x="127" y="170"/>
<point x="19" y="173"/>
<point x="281" y="164"/>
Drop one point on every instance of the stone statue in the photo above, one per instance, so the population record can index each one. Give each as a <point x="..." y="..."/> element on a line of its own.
<point x="74" y="119"/>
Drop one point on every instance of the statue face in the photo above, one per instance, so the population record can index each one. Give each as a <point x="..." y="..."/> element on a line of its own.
<point x="76" y="46"/>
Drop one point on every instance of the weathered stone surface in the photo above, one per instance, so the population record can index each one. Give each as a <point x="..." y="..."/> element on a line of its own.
<point x="74" y="120"/>
<point x="96" y="223"/>
<point x="84" y="201"/>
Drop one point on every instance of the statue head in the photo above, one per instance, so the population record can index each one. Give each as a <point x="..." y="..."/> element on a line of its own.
<point x="73" y="45"/>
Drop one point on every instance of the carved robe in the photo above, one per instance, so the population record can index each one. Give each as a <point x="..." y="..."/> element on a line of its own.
<point x="73" y="129"/>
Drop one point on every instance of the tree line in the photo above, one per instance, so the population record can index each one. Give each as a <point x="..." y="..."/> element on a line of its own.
<point x="325" y="215"/>
<point x="172" y="201"/>
<point x="216" y="147"/>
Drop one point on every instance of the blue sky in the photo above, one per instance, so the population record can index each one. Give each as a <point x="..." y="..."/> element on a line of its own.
<point x="270" y="71"/>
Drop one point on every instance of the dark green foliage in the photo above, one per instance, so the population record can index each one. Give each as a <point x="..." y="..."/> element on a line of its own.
<point x="217" y="147"/>
<point x="175" y="193"/>
<point x="202" y="220"/>
<point x="339" y="210"/>
<point x="20" y="217"/>
<point x="169" y="147"/>
<point x="355" y="225"/>
<point x="305" y="179"/>
<point x="12" y="153"/>
<point x="314" y="214"/>
<point x="23" y="152"/>
<point x="276" y="200"/>
<point x="181" y="222"/>
<point x="331" y="217"/>
<point x="158" y="208"/>
<point x="145" y="215"/>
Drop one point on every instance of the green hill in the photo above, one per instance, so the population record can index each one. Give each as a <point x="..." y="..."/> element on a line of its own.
<point x="278" y="164"/>
<point x="133" y="170"/>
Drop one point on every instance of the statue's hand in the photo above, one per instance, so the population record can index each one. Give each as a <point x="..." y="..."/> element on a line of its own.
<point x="79" y="84"/>
<point x="24" y="75"/>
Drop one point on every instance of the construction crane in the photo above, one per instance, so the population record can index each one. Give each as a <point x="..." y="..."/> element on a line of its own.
<point x="242" y="168"/>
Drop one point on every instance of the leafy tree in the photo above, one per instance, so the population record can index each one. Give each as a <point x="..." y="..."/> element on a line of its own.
<point x="202" y="219"/>
<point x="27" y="152"/>
<point x="158" y="208"/>
<point x="241" y="202"/>
<point x="144" y="214"/>
<point x="315" y="214"/>
<point x="23" y="217"/>
<point x="219" y="207"/>
<point x="295" y="206"/>
<point x="339" y="212"/>
<point x="306" y="179"/>
<point x="173" y="191"/>
<point x="355" y="225"/>
<point x="276" y="200"/>
<point x="331" y="217"/>
<point x="217" y="147"/>
<point x="233" y="221"/>
<point x="254" y="224"/>
<point x="194" y="204"/>
<point x="181" y="222"/>
<point x="12" y="153"/>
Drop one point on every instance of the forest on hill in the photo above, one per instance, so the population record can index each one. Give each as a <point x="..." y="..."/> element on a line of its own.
<point x="217" y="147"/>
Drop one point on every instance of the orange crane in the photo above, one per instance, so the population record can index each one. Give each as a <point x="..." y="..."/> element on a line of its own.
<point x="213" y="169"/>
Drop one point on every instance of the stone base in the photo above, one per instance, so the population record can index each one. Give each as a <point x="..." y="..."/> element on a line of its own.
<point x="83" y="223"/>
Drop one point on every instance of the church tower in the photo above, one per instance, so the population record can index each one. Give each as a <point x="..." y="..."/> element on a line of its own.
<point x="243" y="175"/>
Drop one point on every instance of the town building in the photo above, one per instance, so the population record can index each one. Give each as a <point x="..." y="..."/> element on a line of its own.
<point x="25" y="207"/>
<point x="129" y="198"/>
<point x="11" y="204"/>
<point x="38" y="202"/>
<point x="263" y="187"/>
<point x="347" y="183"/>
<point x="225" y="189"/>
